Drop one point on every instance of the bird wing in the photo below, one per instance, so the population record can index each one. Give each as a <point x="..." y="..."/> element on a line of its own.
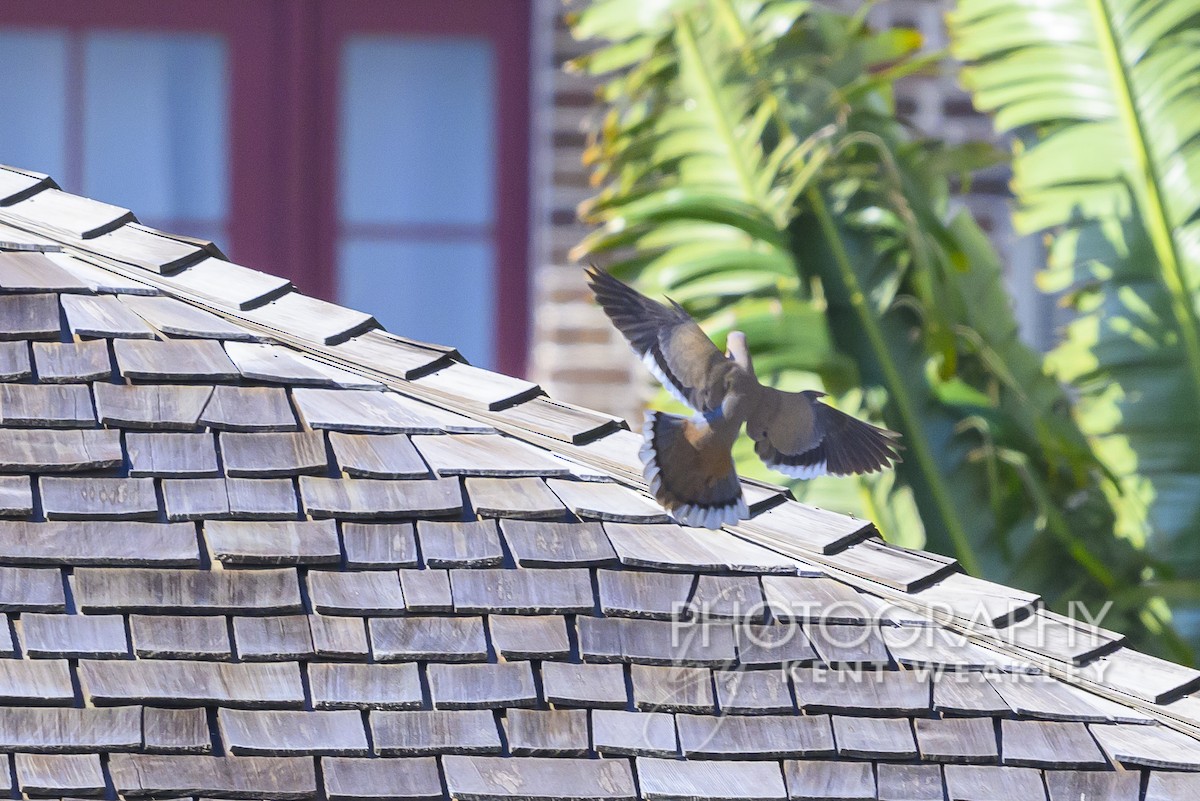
<point x="668" y="341"/>
<point x="801" y="437"/>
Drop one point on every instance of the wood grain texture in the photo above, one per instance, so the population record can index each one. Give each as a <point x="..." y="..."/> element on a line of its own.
<point x="234" y="408"/>
<point x="171" y="455"/>
<point x="151" y="406"/>
<point x="445" y="639"/>
<point x="487" y="455"/>
<point x="31" y="589"/>
<point x="547" y="544"/>
<point x="991" y="783"/>
<point x="822" y="780"/>
<point x="34" y="272"/>
<point x="178" y="319"/>
<point x="957" y="740"/>
<point x="364" y="412"/>
<point x="274" y="455"/>
<point x="616" y="732"/>
<point x="453" y="543"/>
<point x="529" y="636"/>
<point x="146" y="248"/>
<point x="103" y="317"/>
<point x="36" y="682"/>
<point x="613" y="502"/>
<point x="392" y="355"/>
<point x="672" y="547"/>
<point x="516" y="498"/>
<point x="553" y="732"/>
<point x="1096" y="785"/>
<point x="42" y="450"/>
<point x="284" y="542"/>
<point x="910" y="783"/>
<point x="559" y="420"/>
<point x="220" y="498"/>
<point x="14" y="361"/>
<point x="481" y="685"/>
<point x="68" y="362"/>
<point x="483" y="389"/>
<point x="371" y="546"/>
<point x="311" y="318"/>
<point x="470" y="777"/>
<point x="350" y="779"/>
<point x="180" y="637"/>
<point x="180" y="731"/>
<point x="588" y="685"/>
<point x="277" y="364"/>
<point x="351" y="686"/>
<point x="263" y="777"/>
<point x="231" y="285"/>
<point x="29" y="317"/>
<point x="16" y="496"/>
<point x="530" y="591"/>
<point x="234" y="684"/>
<point x="753" y="692"/>
<point x="644" y="594"/>
<point x="292" y="732"/>
<point x="186" y="591"/>
<point x="54" y="774"/>
<point x="368" y="498"/>
<point x="757" y="737"/>
<point x="46" y="406"/>
<point x="874" y="738"/>
<point x="50" y="730"/>
<point x="728" y="780"/>
<point x="339" y="637"/>
<point x="174" y="360"/>
<point x="70" y="215"/>
<point x="672" y="689"/>
<point x="70" y="498"/>
<point x="435" y="732"/>
<point x="98" y="542"/>
<point x="358" y="593"/>
<point x="427" y="590"/>
<point x="377" y="455"/>
<point x="283" y="638"/>
<point x="881" y="692"/>
<point x="74" y="636"/>
<point x="784" y="643"/>
<point x="1049" y="744"/>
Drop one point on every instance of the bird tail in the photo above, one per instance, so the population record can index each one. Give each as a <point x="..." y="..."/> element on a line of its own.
<point x="691" y="474"/>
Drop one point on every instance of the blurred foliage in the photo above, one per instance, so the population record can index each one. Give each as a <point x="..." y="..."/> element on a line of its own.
<point x="1104" y="98"/>
<point x="750" y="164"/>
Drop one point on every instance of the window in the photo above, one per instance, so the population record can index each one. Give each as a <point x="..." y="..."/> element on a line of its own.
<point x="373" y="151"/>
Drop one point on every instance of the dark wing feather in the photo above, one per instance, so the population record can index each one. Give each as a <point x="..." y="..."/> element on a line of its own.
<point x="667" y="339"/>
<point x="801" y="437"/>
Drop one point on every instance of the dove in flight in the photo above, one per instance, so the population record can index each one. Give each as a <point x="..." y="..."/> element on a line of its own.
<point x="688" y="462"/>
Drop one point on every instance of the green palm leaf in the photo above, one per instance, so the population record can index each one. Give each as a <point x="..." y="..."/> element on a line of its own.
<point x="1105" y="96"/>
<point x="752" y="167"/>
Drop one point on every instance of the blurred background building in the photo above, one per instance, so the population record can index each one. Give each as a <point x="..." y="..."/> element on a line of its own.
<point x="417" y="159"/>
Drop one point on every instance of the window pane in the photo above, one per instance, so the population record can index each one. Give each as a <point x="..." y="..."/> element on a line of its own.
<point x="156" y="124"/>
<point x="438" y="292"/>
<point x="33" y="94"/>
<point x="417" y="116"/>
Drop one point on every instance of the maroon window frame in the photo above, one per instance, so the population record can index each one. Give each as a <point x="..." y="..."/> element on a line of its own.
<point x="284" y="59"/>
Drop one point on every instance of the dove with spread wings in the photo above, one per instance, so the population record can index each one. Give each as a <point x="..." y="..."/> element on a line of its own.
<point x="688" y="461"/>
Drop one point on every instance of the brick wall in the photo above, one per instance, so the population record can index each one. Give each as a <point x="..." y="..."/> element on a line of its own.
<point x="578" y="357"/>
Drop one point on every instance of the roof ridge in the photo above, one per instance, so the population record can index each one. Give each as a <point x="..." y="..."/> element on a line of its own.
<point x="845" y="548"/>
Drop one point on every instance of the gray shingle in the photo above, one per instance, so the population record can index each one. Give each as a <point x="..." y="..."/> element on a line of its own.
<point x="537" y="778"/>
<point x="292" y="732"/>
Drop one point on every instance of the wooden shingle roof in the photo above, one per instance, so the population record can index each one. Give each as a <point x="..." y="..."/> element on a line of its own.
<point x="253" y="546"/>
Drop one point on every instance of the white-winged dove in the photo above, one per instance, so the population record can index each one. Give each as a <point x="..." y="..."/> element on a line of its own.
<point x="688" y="462"/>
